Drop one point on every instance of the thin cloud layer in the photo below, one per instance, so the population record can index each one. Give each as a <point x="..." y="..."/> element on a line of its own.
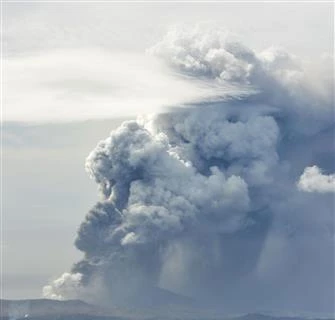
<point x="71" y="85"/>
<point x="203" y="202"/>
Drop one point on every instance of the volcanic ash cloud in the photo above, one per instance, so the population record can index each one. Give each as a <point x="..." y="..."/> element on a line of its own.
<point x="204" y="201"/>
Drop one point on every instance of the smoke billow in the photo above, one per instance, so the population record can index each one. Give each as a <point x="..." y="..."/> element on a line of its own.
<point x="206" y="201"/>
<point x="313" y="180"/>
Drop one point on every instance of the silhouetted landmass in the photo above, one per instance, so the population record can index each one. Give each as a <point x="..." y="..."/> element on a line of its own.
<point x="43" y="309"/>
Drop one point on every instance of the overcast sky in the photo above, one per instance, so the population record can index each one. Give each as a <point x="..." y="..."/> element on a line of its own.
<point x="69" y="62"/>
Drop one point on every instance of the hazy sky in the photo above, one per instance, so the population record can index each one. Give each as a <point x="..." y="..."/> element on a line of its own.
<point x="69" y="62"/>
<point x="43" y="206"/>
<point x="79" y="61"/>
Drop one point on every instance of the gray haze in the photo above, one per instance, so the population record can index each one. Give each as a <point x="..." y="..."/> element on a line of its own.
<point x="42" y="203"/>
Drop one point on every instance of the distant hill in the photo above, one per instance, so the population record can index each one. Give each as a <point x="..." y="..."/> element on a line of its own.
<point x="43" y="309"/>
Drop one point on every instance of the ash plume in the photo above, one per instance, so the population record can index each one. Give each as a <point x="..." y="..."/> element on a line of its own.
<point x="203" y="201"/>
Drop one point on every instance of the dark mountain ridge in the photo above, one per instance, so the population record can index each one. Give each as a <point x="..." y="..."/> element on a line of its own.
<point x="44" y="309"/>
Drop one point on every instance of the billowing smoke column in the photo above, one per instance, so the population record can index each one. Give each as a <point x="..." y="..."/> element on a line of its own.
<point x="207" y="201"/>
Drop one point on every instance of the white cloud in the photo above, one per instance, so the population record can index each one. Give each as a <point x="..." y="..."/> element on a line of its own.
<point x="66" y="285"/>
<point x="68" y="85"/>
<point x="313" y="180"/>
